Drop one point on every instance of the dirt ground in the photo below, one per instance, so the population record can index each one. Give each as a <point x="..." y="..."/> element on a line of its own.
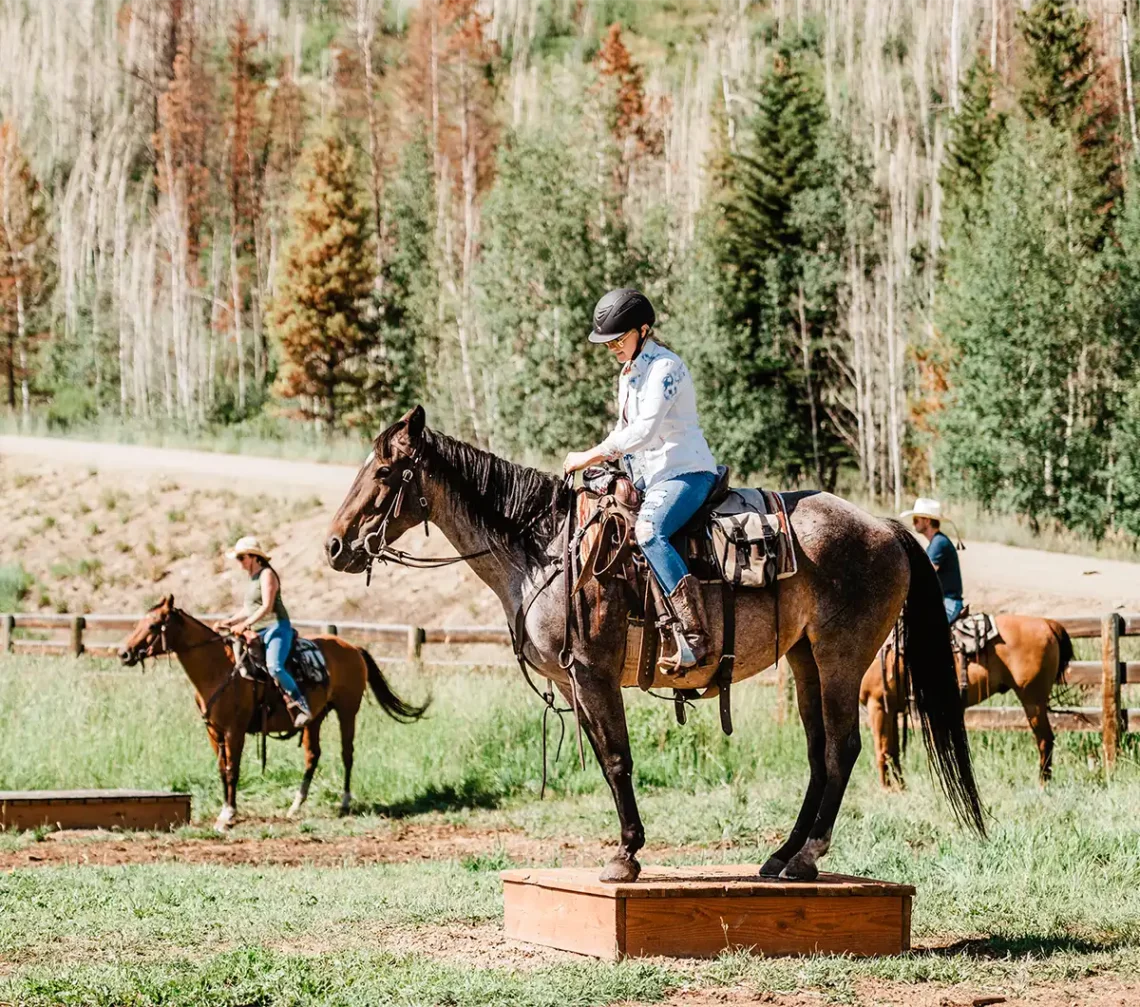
<point x="1096" y="991"/>
<point x="111" y="528"/>
<point x="401" y="844"/>
<point x="115" y="541"/>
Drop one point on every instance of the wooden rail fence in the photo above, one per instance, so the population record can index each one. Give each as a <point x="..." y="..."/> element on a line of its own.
<point x="1109" y="673"/>
<point x="78" y="627"/>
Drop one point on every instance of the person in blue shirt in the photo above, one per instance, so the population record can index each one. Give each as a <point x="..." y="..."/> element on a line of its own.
<point x="927" y="517"/>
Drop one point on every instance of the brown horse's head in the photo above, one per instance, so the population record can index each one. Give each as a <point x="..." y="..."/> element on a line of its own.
<point x="150" y="637"/>
<point x="384" y="499"/>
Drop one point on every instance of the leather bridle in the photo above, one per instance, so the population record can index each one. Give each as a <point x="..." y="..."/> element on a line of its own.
<point x="375" y="545"/>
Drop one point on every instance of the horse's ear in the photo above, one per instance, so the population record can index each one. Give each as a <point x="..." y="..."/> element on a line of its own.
<point x="416" y="419"/>
<point x="407" y="433"/>
<point x="167" y="602"/>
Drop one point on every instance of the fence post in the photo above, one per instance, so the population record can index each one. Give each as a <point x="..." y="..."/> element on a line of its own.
<point x="330" y="629"/>
<point x="7" y="625"/>
<point x="75" y="642"/>
<point x="1110" y="687"/>
<point x="415" y="642"/>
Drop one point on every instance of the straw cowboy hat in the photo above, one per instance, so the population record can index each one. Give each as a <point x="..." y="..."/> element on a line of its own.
<point x="925" y="507"/>
<point x="247" y="545"/>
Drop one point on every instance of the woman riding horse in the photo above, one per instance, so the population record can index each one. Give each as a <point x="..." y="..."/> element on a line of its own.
<point x="263" y="598"/>
<point x="659" y="438"/>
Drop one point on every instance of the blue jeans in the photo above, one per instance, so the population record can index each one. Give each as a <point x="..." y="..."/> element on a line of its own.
<point x="665" y="509"/>
<point x="278" y="642"/>
<point x="953" y="608"/>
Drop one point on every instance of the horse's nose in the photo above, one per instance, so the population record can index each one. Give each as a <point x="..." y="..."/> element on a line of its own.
<point x="124" y="655"/>
<point x="333" y="547"/>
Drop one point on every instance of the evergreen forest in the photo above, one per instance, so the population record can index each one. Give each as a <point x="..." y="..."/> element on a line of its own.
<point x="897" y="241"/>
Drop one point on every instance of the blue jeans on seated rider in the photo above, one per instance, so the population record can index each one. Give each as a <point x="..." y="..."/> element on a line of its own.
<point x="953" y="608"/>
<point x="665" y="510"/>
<point x="278" y="639"/>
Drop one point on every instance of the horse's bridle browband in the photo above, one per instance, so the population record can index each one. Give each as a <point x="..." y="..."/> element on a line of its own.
<point x="375" y="543"/>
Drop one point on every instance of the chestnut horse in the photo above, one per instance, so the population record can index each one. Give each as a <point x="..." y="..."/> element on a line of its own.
<point x="1029" y="656"/>
<point x="228" y="702"/>
<point x="855" y="574"/>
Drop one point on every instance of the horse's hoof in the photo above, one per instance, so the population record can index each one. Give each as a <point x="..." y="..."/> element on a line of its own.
<point x="772" y="867"/>
<point x="293" y="809"/>
<point x="800" y="868"/>
<point x="222" y="826"/>
<point x="620" y="870"/>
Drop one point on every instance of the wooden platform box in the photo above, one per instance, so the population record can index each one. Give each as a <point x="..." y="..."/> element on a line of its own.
<point x="93" y="809"/>
<point x="698" y="912"/>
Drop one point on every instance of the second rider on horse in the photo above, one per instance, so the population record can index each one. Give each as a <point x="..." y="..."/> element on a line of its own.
<point x="265" y="612"/>
<point x="659" y="439"/>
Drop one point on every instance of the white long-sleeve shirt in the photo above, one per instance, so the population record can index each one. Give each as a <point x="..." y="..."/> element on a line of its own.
<point x="658" y="433"/>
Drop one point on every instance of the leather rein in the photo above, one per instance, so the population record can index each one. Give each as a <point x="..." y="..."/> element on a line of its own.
<point x="151" y="652"/>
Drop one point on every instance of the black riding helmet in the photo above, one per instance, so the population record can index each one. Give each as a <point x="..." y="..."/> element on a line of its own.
<point x="618" y="312"/>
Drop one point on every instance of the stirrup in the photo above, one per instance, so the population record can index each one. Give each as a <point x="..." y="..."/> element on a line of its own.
<point x="681" y="659"/>
<point x="302" y="715"/>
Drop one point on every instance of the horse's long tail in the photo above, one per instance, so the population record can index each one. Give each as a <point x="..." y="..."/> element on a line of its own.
<point x="389" y="702"/>
<point x="1066" y="646"/>
<point x="928" y="662"/>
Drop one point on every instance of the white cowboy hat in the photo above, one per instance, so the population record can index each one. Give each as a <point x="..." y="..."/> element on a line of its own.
<point x="924" y="507"/>
<point x="247" y="545"/>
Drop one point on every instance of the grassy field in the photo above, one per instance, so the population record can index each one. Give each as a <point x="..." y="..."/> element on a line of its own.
<point x="1050" y="901"/>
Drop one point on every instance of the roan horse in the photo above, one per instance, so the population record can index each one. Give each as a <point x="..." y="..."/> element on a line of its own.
<point x="1029" y="656"/>
<point x="855" y="574"/>
<point x="228" y="701"/>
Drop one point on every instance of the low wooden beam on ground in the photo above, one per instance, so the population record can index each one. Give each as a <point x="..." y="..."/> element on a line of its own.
<point x="93" y="809"/>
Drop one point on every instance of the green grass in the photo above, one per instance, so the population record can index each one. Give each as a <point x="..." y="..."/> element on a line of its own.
<point x="15" y="582"/>
<point x="1054" y="894"/>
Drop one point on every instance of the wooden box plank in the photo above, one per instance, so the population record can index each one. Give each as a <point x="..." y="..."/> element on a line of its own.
<point x="572" y="921"/>
<point x="702" y="911"/>
<point x="93" y="809"/>
<point x="701" y="927"/>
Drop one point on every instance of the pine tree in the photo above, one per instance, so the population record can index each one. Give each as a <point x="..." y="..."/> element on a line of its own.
<point x="780" y="252"/>
<point x="322" y="314"/>
<point x="1062" y="89"/>
<point x="975" y="138"/>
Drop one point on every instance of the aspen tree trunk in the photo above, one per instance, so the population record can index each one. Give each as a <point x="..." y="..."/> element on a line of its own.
<point x="467" y="142"/>
<point x="22" y="336"/>
<point x="994" y="22"/>
<point x="235" y="294"/>
<point x="805" y="348"/>
<point x="365" y="31"/>
<point x="955" y="55"/>
<point x="1126" y="53"/>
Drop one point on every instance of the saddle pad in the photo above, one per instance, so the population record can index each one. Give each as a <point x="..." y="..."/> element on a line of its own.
<point x="973" y="632"/>
<point x="307" y="663"/>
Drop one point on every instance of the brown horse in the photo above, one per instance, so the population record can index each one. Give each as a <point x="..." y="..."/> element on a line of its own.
<point x="228" y="702"/>
<point x="1029" y="656"/>
<point x="855" y="573"/>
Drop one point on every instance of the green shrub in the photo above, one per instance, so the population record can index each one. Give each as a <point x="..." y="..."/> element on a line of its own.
<point x="15" y="582"/>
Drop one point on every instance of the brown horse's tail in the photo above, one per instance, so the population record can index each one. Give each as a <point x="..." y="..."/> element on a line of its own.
<point x="928" y="661"/>
<point x="389" y="702"/>
<point x="1066" y="647"/>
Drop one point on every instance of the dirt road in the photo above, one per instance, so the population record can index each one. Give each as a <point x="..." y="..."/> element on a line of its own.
<point x="997" y="577"/>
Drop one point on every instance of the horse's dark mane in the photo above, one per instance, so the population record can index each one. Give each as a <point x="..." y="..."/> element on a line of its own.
<point x="511" y="502"/>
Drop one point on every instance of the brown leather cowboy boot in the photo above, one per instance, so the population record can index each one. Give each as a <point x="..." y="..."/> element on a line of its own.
<point x="689" y="608"/>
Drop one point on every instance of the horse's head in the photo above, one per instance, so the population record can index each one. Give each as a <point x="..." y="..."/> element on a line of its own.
<point x="151" y="637"/>
<point x="385" y="499"/>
